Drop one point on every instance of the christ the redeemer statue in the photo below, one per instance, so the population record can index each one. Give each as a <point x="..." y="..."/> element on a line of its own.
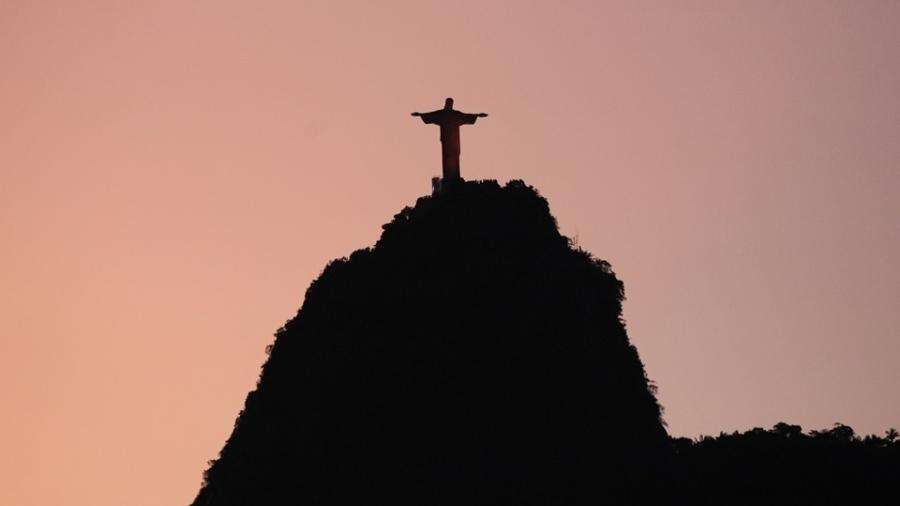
<point x="449" y="120"/>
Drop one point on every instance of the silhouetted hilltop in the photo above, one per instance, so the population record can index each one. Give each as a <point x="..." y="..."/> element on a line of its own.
<point x="472" y="356"/>
<point x="785" y="466"/>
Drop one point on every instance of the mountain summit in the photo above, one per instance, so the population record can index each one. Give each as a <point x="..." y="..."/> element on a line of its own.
<point x="472" y="356"/>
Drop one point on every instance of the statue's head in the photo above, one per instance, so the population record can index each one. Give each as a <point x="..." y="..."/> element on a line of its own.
<point x="448" y="104"/>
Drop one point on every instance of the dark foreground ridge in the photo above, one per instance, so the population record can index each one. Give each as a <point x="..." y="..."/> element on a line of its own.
<point x="471" y="357"/>
<point x="474" y="357"/>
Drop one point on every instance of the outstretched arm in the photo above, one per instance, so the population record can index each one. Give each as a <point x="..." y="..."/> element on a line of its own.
<point x="428" y="117"/>
<point x="469" y="119"/>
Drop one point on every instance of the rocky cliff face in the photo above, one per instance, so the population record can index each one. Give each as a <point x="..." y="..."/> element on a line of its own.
<point x="472" y="356"/>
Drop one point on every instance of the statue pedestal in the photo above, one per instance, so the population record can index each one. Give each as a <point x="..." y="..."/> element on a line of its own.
<point x="443" y="184"/>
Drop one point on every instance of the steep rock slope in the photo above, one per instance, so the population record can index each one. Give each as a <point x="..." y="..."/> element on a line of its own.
<point x="472" y="356"/>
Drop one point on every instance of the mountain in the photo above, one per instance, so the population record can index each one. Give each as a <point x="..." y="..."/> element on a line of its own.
<point x="785" y="466"/>
<point x="472" y="356"/>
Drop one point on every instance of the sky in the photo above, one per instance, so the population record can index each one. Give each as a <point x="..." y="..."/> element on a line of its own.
<point x="174" y="174"/>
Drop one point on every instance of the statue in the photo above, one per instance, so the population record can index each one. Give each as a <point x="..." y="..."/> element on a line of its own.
<point x="449" y="120"/>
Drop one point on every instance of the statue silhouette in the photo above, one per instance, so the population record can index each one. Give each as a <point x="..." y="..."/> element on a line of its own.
<point x="449" y="119"/>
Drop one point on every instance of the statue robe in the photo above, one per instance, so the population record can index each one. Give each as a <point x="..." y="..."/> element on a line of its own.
<point x="449" y="120"/>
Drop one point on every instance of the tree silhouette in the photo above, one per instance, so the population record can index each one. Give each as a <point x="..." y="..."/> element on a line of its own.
<point x="785" y="466"/>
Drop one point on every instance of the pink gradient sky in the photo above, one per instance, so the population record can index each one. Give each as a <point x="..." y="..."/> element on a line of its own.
<point x="173" y="175"/>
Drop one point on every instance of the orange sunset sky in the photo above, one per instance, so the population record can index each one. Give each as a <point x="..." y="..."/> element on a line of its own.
<point x="173" y="174"/>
